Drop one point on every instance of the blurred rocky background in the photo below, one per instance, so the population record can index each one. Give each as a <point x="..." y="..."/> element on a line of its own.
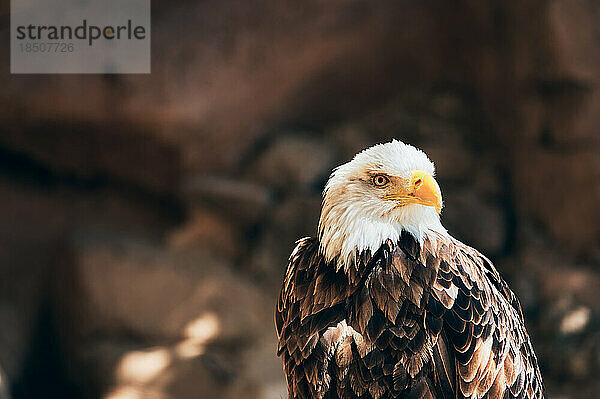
<point x="145" y="220"/>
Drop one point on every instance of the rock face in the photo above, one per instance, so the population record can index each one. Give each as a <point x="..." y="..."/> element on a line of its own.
<point x="160" y="322"/>
<point x="293" y="163"/>
<point x="147" y="220"/>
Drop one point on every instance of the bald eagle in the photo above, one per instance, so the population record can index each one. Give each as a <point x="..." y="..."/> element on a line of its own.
<point x="385" y="303"/>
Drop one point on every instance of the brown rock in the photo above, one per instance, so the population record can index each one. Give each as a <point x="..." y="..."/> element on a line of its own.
<point x="163" y="323"/>
<point x="97" y="152"/>
<point x="208" y="230"/>
<point x="130" y="285"/>
<point x="4" y="387"/>
<point x="453" y="160"/>
<point x="558" y="277"/>
<point x="349" y="139"/>
<point x="449" y="105"/>
<point x="540" y="95"/>
<point x="295" y="218"/>
<point x="474" y="220"/>
<point x="562" y="191"/>
<point x="122" y="370"/>
<point x="564" y="322"/>
<point x="293" y="162"/>
<point x="31" y="226"/>
<point x="242" y="201"/>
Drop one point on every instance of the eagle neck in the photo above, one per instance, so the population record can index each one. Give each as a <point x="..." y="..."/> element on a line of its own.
<point x="345" y="241"/>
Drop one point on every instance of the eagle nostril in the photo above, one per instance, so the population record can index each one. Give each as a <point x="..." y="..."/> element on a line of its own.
<point x="418" y="182"/>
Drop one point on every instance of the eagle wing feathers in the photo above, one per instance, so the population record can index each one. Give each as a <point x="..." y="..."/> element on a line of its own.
<point x="413" y="320"/>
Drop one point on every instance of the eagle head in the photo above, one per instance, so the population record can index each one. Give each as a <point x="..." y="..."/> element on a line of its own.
<point x="383" y="190"/>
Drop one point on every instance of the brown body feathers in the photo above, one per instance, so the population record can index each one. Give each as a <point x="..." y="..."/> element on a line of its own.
<point x="409" y="321"/>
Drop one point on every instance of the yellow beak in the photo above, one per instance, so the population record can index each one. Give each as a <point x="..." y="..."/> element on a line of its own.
<point x="422" y="189"/>
<point x="426" y="190"/>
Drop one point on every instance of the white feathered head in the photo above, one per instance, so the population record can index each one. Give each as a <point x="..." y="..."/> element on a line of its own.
<point x="385" y="189"/>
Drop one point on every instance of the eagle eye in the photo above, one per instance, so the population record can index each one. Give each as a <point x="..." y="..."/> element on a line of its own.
<point x="380" y="180"/>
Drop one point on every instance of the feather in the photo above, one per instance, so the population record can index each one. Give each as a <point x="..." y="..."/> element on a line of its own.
<point x="405" y="320"/>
